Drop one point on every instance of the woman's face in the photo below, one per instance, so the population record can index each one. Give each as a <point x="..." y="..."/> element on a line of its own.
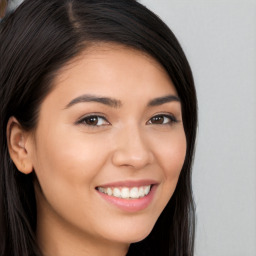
<point x="108" y="148"/>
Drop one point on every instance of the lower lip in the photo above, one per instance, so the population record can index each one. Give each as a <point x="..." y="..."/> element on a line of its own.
<point x="130" y="205"/>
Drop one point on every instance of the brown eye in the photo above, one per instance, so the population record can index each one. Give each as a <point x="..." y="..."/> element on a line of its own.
<point x="91" y="120"/>
<point x="162" y="120"/>
<point x="157" y="120"/>
<point x="94" y="121"/>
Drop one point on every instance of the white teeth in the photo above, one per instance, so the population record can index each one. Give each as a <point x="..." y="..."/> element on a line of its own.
<point x="116" y="192"/>
<point x="109" y="191"/>
<point x="125" y="193"/>
<point x="146" y="189"/>
<point x="141" y="192"/>
<point x="101" y="189"/>
<point x="132" y="193"/>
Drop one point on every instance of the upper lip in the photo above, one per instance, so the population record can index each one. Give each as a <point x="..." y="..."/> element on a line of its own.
<point x="129" y="183"/>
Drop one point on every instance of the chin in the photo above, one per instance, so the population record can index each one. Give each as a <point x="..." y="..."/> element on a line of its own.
<point x="132" y="234"/>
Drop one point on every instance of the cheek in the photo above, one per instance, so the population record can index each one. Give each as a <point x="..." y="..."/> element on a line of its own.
<point x="66" y="164"/>
<point x="171" y="154"/>
<point x="65" y="159"/>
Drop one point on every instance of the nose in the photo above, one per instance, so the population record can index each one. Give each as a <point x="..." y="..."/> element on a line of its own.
<point x="132" y="149"/>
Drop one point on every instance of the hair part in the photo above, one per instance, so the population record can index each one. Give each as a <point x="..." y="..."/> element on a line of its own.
<point x="40" y="38"/>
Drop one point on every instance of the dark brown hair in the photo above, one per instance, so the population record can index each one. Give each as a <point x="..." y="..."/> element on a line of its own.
<point x="39" y="38"/>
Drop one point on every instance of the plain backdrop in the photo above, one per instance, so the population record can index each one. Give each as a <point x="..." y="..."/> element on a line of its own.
<point x="219" y="39"/>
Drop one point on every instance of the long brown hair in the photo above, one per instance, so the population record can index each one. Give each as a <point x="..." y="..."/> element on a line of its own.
<point x="36" y="41"/>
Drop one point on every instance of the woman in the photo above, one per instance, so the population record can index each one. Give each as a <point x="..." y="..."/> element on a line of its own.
<point x="98" y="123"/>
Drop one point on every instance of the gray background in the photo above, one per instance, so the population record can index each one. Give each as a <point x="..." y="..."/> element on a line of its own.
<point x="219" y="39"/>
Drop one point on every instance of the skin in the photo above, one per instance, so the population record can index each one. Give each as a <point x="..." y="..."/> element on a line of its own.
<point x="71" y="159"/>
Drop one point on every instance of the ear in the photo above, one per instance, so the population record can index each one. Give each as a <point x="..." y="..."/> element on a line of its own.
<point x="17" y="139"/>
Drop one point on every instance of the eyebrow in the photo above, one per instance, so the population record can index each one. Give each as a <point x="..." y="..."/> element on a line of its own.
<point x="163" y="100"/>
<point x="92" y="98"/>
<point x="117" y="103"/>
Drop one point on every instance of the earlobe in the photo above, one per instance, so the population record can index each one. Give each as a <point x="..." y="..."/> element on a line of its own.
<point x="17" y="146"/>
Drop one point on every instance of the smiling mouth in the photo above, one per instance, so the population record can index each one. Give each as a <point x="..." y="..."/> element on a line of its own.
<point x="125" y="192"/>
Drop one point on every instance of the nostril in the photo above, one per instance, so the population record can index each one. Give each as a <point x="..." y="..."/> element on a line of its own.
<point x="131" y="148"/>
<point x="133" y="159"/>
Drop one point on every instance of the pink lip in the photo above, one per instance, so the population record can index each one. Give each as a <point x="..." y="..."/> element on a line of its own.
<point x="129" y="183"/>
<point x="130" y="205"/>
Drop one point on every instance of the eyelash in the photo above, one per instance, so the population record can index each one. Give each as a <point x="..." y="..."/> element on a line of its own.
<point x="84" y="120"/>
<point x="97" y="117"/>
<point x="172" y="119"/>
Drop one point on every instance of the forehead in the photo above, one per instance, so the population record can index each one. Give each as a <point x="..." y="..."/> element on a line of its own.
<point x="113" y="70"/>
